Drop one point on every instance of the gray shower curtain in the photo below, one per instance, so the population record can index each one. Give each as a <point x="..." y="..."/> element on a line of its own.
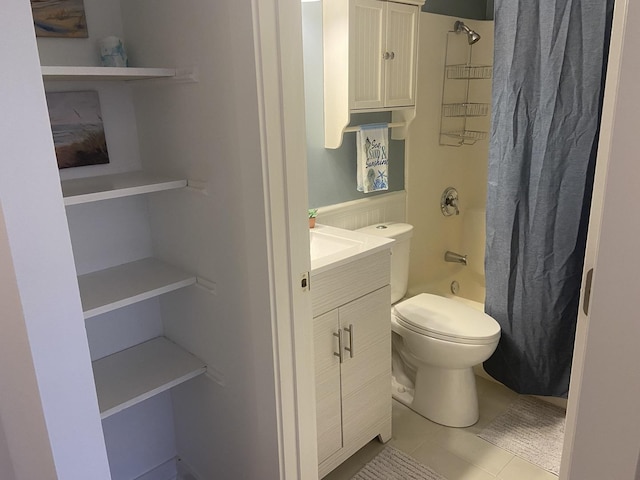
<point x="549" y="65"/>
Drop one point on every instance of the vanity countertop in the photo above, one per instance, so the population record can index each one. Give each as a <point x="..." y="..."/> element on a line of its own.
<point x="332" y="247"/>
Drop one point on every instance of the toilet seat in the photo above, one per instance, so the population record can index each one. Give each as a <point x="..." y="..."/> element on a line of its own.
<point x="445" y="319"/>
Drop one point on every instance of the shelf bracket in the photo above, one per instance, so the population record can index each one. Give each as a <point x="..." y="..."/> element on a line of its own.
<point x="198" y="186"/>
<point x="182" y="75"/>
<point x="186" y="75"/>
<point x="206" y="285"/>
<point x="215" y="376"/>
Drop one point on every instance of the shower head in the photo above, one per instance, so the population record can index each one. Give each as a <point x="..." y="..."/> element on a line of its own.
<point x="460" y="27"/>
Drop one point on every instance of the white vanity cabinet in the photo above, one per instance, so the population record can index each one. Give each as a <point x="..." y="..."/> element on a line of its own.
<point x="352" y="345"/>
<point x="370" y="61"/>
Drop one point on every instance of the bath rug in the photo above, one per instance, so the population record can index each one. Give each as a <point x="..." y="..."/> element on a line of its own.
<point x="531" y="429"/>
<point x="392" y="464"/>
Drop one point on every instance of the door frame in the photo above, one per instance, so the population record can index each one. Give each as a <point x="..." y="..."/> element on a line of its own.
<point x="280" y="78"/>
<point x="601" y="438"/>
<point x="279" y="69"/>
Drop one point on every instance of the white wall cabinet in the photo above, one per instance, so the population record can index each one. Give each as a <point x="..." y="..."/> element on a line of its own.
<point x="352" y="345"/>
<point x="383" y="51"/>
<point x="370" y="61"/>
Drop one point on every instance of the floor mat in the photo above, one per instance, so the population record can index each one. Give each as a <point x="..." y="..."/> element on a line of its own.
<point x="392" y="464"/>
<point x="531" y="429"/>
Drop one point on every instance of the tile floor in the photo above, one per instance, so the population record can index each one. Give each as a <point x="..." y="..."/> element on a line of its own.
<point x="455" y="453"/>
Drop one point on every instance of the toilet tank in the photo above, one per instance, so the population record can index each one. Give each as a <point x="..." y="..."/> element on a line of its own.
<point x="401" y="233"/>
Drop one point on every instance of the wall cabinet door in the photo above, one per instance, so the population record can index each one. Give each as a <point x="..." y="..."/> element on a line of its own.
<point x="383" y="54"/>
<point x="367" y="45"/>
<point x="327" y="370"/>
<point x="401" y="38"/>
<point x="365" y="376"/>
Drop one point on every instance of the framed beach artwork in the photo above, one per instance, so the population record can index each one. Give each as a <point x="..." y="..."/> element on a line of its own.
<point x="78" y="132"/>
<point x="59" y="18"/>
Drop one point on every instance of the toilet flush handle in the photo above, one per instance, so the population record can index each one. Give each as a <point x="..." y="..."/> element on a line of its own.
<point x="350" y="347"/>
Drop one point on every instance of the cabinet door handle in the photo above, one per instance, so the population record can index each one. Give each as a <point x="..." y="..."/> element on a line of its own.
<point x="350" y="347"/>
<point x="393" y="55"/>
<point x="587" y="292"/>
<point x="339" y="354"/>
<point x="386" y="55"/>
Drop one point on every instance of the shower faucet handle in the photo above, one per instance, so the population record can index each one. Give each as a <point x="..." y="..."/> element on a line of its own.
<point x="449" y="202"/>
<point x="453" y="202"/>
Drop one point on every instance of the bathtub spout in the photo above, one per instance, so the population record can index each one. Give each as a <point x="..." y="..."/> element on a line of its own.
<point x="455" y="257"/>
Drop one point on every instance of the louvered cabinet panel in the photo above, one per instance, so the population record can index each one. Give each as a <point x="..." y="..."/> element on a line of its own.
<point x="366" y="397"/>
<point x="327" y="371"/>
<point x="401" y="37"/>
<point x="367" y="43"/>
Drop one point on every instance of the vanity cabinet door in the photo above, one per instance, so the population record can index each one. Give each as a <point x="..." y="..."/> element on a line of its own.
<point x="401" y="43"/>
<point x="366" y="388"/>
<point x="327" y="371"/>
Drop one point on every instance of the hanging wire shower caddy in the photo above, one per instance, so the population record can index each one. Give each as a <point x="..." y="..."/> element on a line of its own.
<point x="454" y="128"/>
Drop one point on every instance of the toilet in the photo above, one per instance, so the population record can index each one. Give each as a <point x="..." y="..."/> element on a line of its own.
<point x="436" y="343"/>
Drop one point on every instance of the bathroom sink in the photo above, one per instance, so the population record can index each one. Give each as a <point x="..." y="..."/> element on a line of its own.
<point x="331" y="246"/>
<point x="324" y="244"/>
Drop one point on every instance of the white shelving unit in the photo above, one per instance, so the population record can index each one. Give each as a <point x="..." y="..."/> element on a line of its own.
<point x="72" y="73"/>
<point x="140" y="242"/>
<point x="117" y="287"/>
<point x="105" y="187"/>
<point x="138" y="373"/>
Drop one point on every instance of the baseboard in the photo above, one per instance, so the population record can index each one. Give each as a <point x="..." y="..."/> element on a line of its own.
<point x="166" y="471"/>
<point x="185" y="472"/>
<point x="174" y="469"/>
<point x="390" y="207"/>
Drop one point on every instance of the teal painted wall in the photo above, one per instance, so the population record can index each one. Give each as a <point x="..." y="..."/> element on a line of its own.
<point x="475" y="9"/>
<point x="332" y="173"/>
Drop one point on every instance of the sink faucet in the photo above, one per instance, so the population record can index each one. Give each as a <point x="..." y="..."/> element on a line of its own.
<point x="455" y="257"/>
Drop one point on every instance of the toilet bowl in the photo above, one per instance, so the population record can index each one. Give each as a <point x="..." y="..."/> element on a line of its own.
<point x="436" y="343"/>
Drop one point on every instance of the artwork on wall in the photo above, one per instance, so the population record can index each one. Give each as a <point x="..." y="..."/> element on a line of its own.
<point x="59" y="18"/>
<point x="78" y="133"/>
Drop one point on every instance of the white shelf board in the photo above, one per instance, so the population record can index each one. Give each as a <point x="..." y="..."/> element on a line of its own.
<point x="107" y="290"/>
<point x="104" y="187"/>
<point x="138" y="373"/>
<point x="105" y="73"/>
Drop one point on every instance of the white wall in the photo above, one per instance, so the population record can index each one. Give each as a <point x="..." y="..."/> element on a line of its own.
<point x="52" y="428"/>
<point x="430" y="167"/>
<point x="6" y="465"/>
<point x="20" y="413"/>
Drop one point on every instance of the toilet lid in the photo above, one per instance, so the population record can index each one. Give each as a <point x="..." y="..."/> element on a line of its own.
<point x="447" y="319"/>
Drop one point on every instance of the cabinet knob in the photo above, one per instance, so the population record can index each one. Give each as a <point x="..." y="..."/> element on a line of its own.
<point x="392" y="55"/>
<point x="386" y="55"/>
